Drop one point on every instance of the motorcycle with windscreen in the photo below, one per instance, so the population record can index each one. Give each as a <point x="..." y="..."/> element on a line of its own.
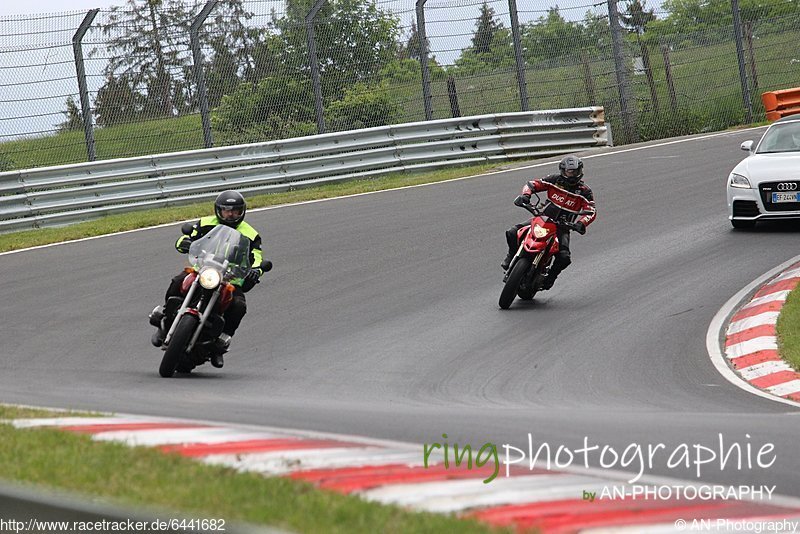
<point x="194" y="321"/>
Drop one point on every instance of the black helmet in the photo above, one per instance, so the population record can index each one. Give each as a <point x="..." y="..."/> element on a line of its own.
<point x="571" y="168"/>
<point x="235" y="206"/>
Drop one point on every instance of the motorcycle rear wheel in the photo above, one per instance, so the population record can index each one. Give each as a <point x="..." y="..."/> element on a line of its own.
<point x="177" y="345"/>
<point x="512" y="284"/>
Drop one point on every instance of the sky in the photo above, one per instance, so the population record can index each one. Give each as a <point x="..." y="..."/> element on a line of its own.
<point x="10" y="7"/>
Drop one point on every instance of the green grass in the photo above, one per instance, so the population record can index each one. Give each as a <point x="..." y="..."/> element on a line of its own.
<point x="131" y="221"/>
<point x="145" y="477"/>
<point x="124" y="140"/>
<point x="789" y="329"/>
<point x="19" y="412"/>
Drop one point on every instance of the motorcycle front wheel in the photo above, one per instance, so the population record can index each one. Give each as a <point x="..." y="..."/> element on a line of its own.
<point x="177" y="345"/>
<point x="512" y="284"/>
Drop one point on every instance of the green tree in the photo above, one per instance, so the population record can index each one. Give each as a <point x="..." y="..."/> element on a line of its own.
<point x="146" y="38"/>
<point x="267" y="56"/>
<point x="118" y="101"/>
<point x="149" y="46"/>
<point x="354" y="38"/>
<point x="286" y="98"/>
<point x="231" y="41"/>
<point x="74" y="117"/>
<point x="411" y="48"/>
<point x="363" y="106"/>
<point x="486" y="28"/>
<point x="596" y="31"/>
<point x="492" y="46"/>
<point x="221" y="73"/>
<point x="550" y="37"/>
<point x="636" y="17"/>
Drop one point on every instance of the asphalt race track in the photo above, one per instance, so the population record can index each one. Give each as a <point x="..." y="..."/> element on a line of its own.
<point x="381" y="319"/>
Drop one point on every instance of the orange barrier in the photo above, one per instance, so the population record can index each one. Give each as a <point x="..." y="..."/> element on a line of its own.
<point x="782" y="103"/>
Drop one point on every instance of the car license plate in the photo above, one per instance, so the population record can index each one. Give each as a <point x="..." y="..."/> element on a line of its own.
<point x="784" y="197"/>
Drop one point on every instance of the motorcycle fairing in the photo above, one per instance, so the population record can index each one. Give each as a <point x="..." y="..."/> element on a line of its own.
<point x="533" y="244"/>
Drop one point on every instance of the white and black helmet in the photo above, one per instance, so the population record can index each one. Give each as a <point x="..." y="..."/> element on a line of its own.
<point x="571" y="168"/>
<point x="234" y="207"/>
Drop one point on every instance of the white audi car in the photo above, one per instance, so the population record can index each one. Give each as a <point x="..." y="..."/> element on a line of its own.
<point x="766" y="184"/>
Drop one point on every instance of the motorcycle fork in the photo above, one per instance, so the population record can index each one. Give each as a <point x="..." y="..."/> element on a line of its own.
<point x="514" y="260"/>
<point x="181" y="311"/>
<point x="209" y="309"/>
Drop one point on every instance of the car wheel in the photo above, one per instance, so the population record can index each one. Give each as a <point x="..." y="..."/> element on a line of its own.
<point x="743" y="225"/>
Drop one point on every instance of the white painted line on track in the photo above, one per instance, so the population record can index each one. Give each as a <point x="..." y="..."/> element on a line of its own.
<point x="788" y="275"/>
<point x="453" y="495"/>
<point x="79" y="421"/>
<point x="778" y="296"/>
<point x="284" y="462"/>
<point x="764" y="369"/>
<point x="182" y="435"/>
<point x="786" y="388"/>
<point x="715" y="333"/>
<point x="751" y="322"/>
<point x="750" y="346"/>
<point x="611" y="152"/>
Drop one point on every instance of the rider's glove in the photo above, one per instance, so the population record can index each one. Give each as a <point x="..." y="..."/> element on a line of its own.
<point x="579" y="227"/>
<point x="183" y="246"/>
<point x="250" y="279"/>
<point x="522" y="200"/>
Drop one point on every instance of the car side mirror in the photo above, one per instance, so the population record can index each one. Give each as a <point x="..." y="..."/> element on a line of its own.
<point x="266" y="266"/>
<point x="187" y="228"/>
<point x="747" y="146"/>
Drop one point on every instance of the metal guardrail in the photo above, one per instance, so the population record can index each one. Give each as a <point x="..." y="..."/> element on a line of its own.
<point x="53" y="196"/>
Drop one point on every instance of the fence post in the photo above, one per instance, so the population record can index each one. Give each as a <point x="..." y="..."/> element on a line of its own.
<point x="737" y="32"/>
<point x="455" y="110"/>
<point x="748" y="29"/>
<point x="199" y="76"/>
<point x="648" y="70"/>
<point x="423" y="59"/>
<point x="312" y="58"/>
<point x="623" y="85"/>
<point x="588" y="82"/>
<point x="523" y="85"/>
<point x="673" y="97"/>
<point x="86" y="109"/>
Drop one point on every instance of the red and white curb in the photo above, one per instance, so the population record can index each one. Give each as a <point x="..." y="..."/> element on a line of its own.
<point x="750" y="337"/>
<point x="393" y="473"/>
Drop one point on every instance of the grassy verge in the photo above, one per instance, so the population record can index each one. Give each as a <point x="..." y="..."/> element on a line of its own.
<point x="130" y="221"/>
<point x="141" y="476"/>
<point x="789" y="330"/>
<point x="18" y="412"/>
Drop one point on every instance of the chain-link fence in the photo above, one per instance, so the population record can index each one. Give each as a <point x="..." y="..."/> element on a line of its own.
<point x="147" y="77"/>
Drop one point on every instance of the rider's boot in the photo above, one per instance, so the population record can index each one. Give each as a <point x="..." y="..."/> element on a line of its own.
<point x="548" y="280"/>
<point x="222" y="344"/>
<point x="156" y="319"/>
<point x="507" y="261"/>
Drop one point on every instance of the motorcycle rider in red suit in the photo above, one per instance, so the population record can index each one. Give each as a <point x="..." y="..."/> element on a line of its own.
<point x="569" y="179"/>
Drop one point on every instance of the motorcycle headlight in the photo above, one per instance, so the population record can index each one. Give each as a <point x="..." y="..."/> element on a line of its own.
<point x="737" y="180"/>
<point x="539" y="231"/>
<point x="210" y="278"/>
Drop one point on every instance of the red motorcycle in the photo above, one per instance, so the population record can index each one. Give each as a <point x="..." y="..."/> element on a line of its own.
<point x="538" y="243"/>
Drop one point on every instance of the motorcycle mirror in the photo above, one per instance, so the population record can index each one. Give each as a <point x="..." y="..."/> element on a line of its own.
<point x="187" y="228"/>
<point x="266" y="266"/>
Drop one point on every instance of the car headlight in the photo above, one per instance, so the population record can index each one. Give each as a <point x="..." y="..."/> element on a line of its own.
<point x="737" y="180"/>
<point x="210" y="278"/>
<point x="539" y="231"/>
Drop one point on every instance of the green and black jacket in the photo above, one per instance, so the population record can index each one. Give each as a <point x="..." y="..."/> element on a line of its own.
<point x="204" y="225"/>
